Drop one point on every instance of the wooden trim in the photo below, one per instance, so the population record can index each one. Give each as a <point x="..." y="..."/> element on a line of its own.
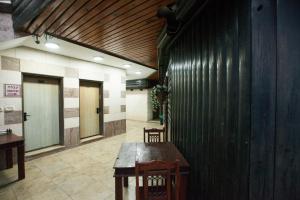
<point x="61" y="112"/>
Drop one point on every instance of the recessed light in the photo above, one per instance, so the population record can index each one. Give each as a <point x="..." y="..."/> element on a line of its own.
<point x="51" y="45"/>
<point x="138" y="73"/>
<point x="98" y="58"/>
<point x="127" y="66"/>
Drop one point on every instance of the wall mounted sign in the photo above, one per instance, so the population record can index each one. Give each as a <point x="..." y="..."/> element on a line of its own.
<point x="12" y="90"/>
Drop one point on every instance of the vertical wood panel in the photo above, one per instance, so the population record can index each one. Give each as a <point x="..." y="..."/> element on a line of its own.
<point x="209" y="74"/>
<point x="263" y="99"/>
<point x="287" y="176"/>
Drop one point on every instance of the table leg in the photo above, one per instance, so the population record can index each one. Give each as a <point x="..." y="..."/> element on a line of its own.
<point x="21" y="164"/>
<point x="183" y="187"/>
<point x="125" y="181"/>
<point x="118" y="188"/>
<point x="9" y="158"/>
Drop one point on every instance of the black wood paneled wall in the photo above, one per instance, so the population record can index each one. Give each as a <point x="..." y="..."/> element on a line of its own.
<point x="287" y="140"/>
<point x="209" y="74"/>
<point x="234" y="100"/>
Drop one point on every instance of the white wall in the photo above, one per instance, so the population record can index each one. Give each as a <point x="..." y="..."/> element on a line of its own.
<point x="138" y="105"/>
<point x="71" y="70"/>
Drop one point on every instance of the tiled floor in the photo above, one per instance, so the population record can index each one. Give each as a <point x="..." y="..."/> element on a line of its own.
<point x="81" y="173"/>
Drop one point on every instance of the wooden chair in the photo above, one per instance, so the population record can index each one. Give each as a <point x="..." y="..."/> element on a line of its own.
<point x="154" y="135"/>
<point x="157" y="179"/>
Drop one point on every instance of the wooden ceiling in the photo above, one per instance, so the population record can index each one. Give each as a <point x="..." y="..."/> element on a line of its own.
<point x="125" y="28"/>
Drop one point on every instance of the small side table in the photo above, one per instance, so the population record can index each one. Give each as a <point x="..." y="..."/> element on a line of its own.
<point x="7" y="143"/>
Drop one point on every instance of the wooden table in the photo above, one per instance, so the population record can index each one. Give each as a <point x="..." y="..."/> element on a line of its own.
<point x="7" y="143"/>
<point x="143" y="152"/>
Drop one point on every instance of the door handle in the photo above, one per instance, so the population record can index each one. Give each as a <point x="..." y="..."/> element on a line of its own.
<point x="98" y="110"/>
<point x="25" y="116"/>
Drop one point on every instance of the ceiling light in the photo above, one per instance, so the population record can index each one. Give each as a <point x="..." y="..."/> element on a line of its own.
<point x="51" y="45"/>
<point x="138" y="73"/>
<point x="127" y="66"/>
<point x="98" y="58"/>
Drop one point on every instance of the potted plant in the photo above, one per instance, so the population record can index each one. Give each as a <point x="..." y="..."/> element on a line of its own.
<point x="159" y="94"/>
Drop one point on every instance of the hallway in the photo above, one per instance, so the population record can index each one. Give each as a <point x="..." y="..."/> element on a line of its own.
<point x="84" y="172"/>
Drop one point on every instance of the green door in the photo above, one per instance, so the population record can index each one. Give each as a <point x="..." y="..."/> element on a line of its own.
<point x="41" y="104"/>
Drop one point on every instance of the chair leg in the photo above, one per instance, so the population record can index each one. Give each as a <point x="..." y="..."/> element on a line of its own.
<point x="183" y="187"/>
<point x="125" y="181"/>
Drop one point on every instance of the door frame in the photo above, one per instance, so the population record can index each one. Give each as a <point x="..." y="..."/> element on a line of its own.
<point x="60" y="103"/>
<point x="101" y="114"/>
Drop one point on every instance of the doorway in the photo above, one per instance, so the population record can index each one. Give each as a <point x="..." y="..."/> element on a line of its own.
<point x="91" y="109"/>
<point x="41" y="103"/>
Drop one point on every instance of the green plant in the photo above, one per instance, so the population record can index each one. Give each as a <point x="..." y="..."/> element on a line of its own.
<point x="158" y="95"/>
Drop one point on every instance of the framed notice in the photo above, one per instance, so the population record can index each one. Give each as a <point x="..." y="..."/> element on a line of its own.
<point x="12" y="90"/>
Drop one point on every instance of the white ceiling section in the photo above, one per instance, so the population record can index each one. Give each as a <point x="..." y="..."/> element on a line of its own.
<point x="5" y="1"/>
<point x="83" y="53"/>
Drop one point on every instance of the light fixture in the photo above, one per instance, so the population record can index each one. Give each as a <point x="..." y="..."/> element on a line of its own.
<point x="51" y="45"/>
<point x="127" y="66"/>
<point x="98" y="58"/>
<point x="138" y="73"/>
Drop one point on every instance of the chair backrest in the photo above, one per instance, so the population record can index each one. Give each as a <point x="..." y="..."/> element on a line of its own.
<point x="154" y="135"/>
<point x="157" y="179"/>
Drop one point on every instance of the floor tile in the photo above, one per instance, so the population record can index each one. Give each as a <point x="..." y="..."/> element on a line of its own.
<point x="84" y="172"/>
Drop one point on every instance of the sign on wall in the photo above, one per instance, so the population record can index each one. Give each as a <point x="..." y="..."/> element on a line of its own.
<point x="12" y="90"/>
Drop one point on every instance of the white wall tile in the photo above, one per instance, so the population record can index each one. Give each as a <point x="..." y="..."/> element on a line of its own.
<point x="71" y="82"/>
<point x="122" y="101"/>
<point x="71" y="122"/>
<point x="138" y="106"/>
<point x="30" y="54"/>
<point x="71" y="102"/>
<point x="114" y="117"/>
<point x="10" y="77"/>
<point x="33" y="67"/>
<point x="16" y="102"/>
<point x="91" y="75"/>
<point x="40" y="62"/>
<point x="16" y="128"/>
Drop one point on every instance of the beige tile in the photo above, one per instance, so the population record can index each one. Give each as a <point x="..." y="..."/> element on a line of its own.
<point x="71" y="112"/>
<point x="9" y="63"/>
<point x="84" y="172"/>
<point x="27" y="188"/>
<point x="7" y="194"/>
<point x="53" y="193"/>
<point x="76" y="183"/>
<point x="13" y="117"/>
<point x="71" y="92"/>
<point x="95" y="191"/>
